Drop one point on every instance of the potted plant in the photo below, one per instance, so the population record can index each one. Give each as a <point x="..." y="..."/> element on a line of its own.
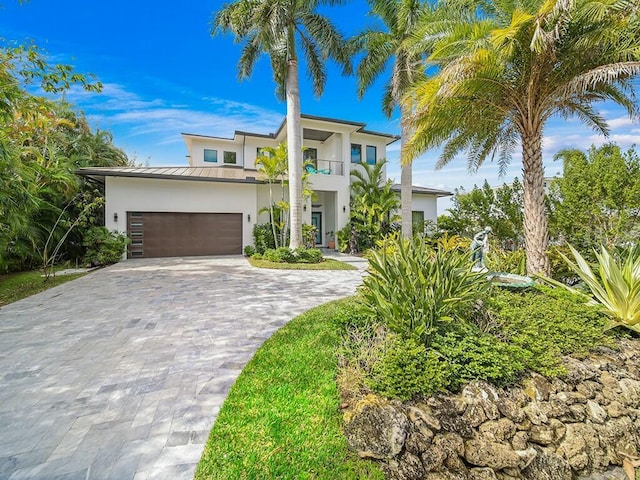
<point x="331" y="241"/>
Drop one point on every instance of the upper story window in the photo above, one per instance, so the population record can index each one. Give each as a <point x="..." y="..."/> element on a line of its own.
<point x="356" y="153"/>
<point x="210" y="155"/>
<point x="230" y="157"/>
<point x="371" y="154"/>
<point x="262" y="152"/>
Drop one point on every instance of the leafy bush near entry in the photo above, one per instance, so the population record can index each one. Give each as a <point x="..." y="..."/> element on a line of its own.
<point x="103" y="246"/>
<point x="308" y="255"/>
<point x="249" y="250"/>
<point x="416" y="291"/>
<point x="263" y="237"/>
<point x="299" y="255"/>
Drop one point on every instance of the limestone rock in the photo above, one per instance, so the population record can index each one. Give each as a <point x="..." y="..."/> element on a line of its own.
<point x="538" y="388"/>
<point x="547" y="466"/>
<point x="595" y="412"/>
<point x="376" y="429"/>
<point x="589" y="388"/>
<point x="498" y="430"/>
<point x="482" y="474"/>
<point x="535" y="413"/>
<point x="482" y="452"/>
<point x="409" y="467"/>
<point x="615" y="409"/>
<point x="519" y="441"/>
<point x="580" y="446"/>
<point x="630" y="390"/>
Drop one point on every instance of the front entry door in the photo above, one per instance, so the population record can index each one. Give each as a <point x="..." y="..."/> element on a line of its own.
<point x="316" y="221"/>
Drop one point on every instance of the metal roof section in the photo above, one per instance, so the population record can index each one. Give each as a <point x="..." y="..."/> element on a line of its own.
<point x="202" y="174"/>
<point x="423" y="190"/>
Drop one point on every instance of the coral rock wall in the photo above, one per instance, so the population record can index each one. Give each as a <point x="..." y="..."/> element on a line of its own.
<point x="578" y="426"/>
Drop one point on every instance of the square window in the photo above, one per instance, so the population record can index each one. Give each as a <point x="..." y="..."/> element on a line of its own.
<point x="371" y="155"/>
<point x="210" y="155"/>
<point x="356" y="153"/>
<point x="229" y="157"/>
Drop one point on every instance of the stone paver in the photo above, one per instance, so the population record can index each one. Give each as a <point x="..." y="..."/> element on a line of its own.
<point x="120" y="374"/>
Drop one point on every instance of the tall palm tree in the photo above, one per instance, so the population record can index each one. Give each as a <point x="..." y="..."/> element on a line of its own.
<point x="505" y="67"/>
<point x="394" y="44"/>
<point x="275" y="27"/>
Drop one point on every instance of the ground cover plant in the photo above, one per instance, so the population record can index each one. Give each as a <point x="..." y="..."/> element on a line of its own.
<point x="282" y="417"/>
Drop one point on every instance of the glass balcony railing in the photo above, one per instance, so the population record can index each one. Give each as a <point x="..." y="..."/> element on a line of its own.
<point x="325" y="167"/>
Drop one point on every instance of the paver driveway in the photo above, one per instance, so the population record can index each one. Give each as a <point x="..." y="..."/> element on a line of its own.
<point x="120" y="374"/>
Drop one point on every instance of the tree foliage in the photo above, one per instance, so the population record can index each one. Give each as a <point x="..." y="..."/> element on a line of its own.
<point x="42" y="142"/>
<point x="597" y="199"/>
<point x="499" y="208"/>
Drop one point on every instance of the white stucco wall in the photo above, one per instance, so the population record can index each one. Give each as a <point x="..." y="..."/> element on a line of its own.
<point x="427" y="204"/>
<point x="157" y="195"/>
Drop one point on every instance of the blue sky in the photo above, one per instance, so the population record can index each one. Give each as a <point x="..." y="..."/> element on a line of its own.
<point x="164" y="74"/>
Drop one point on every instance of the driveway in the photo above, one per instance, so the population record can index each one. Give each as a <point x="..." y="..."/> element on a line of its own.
<point x="120" y="374"/>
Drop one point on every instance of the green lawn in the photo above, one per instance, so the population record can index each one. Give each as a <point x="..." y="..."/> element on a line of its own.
<point x="327" y="264"/>
<point x="16" y="286"/>
<point x="282" y="419"/>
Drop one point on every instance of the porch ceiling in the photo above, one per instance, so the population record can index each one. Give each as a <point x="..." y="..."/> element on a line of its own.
<point x="318" y="135"/>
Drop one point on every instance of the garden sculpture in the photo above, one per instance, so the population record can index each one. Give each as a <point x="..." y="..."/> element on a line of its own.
<point x="479" y="246"/>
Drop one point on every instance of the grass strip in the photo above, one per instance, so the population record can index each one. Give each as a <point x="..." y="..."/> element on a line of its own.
<point x="281" y="419"/>
<point x="16" y="286"/>
<point x="327" y="264"/>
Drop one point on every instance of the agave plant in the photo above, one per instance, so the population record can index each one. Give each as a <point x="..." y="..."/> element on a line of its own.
<point x="614" y="286"/>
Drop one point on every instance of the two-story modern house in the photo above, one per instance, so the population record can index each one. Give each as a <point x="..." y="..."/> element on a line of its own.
<point x="211" y="206"/>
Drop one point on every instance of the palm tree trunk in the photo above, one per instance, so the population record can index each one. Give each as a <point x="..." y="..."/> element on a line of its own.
<point x="294" y="147"/>
<point x="273" y="219"/>
<point x="536" y="235"/>
<point x="406" y="180"/>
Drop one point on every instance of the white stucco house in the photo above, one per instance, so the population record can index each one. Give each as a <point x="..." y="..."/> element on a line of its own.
<point x="210" y="206"/>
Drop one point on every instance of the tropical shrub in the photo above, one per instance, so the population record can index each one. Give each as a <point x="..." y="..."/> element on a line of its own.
<point x="615" y="287"/>
<point x="508" y="261"/>
<point x="309" y="235"/>
<point x="249" y="250"/>
<point x="408" y="369"/>
<point x="263" y="237"/>
<point x="416" y="290"/>
<point x="308" y="255"/>
<point x="286" y="255"/>
<point x="103" y="247"/>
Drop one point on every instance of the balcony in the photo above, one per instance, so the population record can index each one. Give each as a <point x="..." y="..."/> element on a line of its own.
<point x="325" y="167"/>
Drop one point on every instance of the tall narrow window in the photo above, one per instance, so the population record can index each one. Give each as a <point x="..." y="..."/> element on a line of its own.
<point x="371" y="155"/>
<point x="210" y="155"/>
<point x="356" y="153"/>
<point x="230" y="157"/>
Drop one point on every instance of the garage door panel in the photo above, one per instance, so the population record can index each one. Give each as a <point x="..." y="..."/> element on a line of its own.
<point x="169" y="234"/>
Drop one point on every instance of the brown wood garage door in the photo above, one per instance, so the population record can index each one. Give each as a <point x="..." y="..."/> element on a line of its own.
<point x="167" y="234"/>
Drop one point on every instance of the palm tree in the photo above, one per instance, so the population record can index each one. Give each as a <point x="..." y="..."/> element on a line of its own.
<point x="275" y="27"/>
<point x="400" y="19"/>
<point x="506" y="67"/>
<point x="272" y="164"/>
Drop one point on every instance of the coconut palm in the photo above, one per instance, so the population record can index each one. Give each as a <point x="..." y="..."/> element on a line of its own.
<point x="394" y="44"/>
<point x="505" y="67"/>
<point x="277" y="28"/>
